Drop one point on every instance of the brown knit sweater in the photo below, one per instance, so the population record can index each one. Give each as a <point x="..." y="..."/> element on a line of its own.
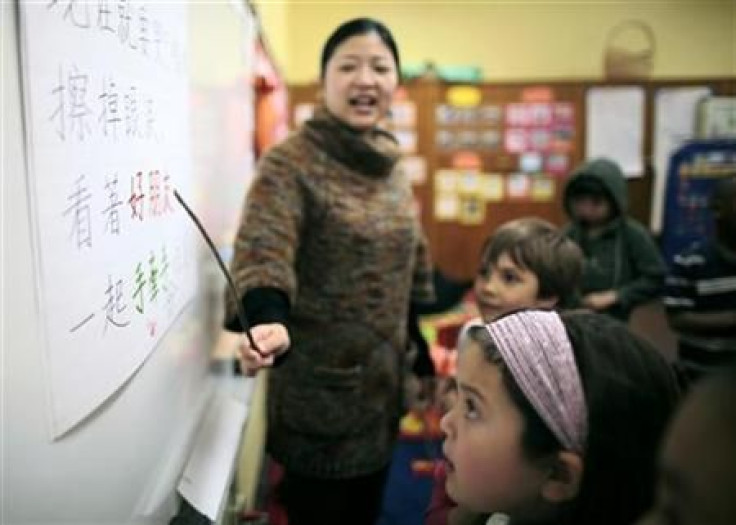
<point x="329" y="221"/>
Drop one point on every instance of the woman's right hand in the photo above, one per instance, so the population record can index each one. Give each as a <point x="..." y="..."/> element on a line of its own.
<point x="272" y="340"/>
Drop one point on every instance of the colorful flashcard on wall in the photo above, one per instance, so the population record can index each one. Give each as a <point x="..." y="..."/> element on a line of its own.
<point x="403" y="114"/>
<point x="518" y="115"/>
<point x="444" y="115"/>
<point x="108" y="135"/>
<point x="467" y="160"/>
<point x="445" y="181"/>
<point x="302" y="113"/>
<point x="531" y="162"/>
<point x="446" y="207"/>
<point x="444" y="139"/>
<point x="557" y="164"/>
<point x="469" y="183"/>
<point x="490" y="139"/>
<point x="467" y="116"/>
<point x="539" y="127"/>
<point x="464" y="96"/>
<point x="516" y="140"/>
<point x="467" y="138"/>
<point x="562" y="139"/>
<point x="564" y="114"/>
<point x="518" y="186"/>
<point x="543" y="189"/>
<point x="490" y="115"/>
<point x="492" y="187"/>
<point x="540" y="115"/>
<point x="540" y="139"/>
<point x="537" y="94"/>
<point x="472" y="210"/>
<point x="415" y="168"/>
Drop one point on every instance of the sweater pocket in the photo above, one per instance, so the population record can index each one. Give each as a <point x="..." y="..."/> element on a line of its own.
<point x="329" y="403"/>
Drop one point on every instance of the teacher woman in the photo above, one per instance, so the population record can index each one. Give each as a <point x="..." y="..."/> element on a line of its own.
<point x="328" y="257"/>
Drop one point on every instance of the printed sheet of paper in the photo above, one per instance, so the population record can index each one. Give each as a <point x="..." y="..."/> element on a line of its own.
<point x="615" y="126"/>
<point x="210" y="466"/>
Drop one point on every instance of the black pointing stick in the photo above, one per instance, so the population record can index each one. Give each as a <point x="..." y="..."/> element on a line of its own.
<point x="239" y="307"/>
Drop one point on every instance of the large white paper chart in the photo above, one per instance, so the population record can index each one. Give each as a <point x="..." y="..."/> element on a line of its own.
<point x="105" y="87"/>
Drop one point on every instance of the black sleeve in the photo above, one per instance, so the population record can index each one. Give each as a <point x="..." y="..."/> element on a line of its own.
<point x="423" y="365"/>
<point x="448" y="293"/>
<point x="262" y="305"/>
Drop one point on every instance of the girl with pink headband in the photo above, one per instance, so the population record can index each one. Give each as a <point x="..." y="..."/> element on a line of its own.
<point x="557" y="421"/>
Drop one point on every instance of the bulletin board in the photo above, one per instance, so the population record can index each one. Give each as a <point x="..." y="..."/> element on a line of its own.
<point x="480" y="155"/>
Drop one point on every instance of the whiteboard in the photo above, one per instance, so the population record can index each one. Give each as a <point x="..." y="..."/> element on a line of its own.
<point x="121" y="462"/>
<point x="106" y="105"/>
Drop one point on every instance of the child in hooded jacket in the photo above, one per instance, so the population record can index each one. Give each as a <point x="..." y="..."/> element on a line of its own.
<point x="623" y="265"/>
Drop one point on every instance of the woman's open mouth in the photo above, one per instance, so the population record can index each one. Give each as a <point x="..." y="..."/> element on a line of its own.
<point x="363" y="103"/>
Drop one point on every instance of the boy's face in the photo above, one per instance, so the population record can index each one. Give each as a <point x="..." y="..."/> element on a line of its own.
<point x="591" y="210"/>
<point x="503" y="287"/>
<point x="486" y="467"/>
<point x="697" y="479"/>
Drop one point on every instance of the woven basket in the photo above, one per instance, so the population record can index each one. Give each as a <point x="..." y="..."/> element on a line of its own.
<point x="622" y="63"/>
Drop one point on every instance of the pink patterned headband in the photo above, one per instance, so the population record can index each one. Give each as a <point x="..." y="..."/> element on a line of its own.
<point x="538" y="353"/>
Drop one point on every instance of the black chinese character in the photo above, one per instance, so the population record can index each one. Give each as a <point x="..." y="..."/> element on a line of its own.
<point x="76" y="11"/>
<point x="114" y="305"/>
<point x="137" y="197"/>
<point x="112" y="217"/>
<point x="78" y="112"/>
<point x="79" y="210"/>
<point x="110" y="113"/>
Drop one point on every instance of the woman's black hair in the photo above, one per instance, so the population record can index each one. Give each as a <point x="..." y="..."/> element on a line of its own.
<point x="631" y="393"/>
<point x="358" y="26"/>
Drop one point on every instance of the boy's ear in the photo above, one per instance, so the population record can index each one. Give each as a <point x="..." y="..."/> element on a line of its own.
<point x="564" y="478"/>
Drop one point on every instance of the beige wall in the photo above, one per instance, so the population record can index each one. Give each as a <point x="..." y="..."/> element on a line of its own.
<point x="513" y="39"/>
<point x="274" y="22"/>
<point x="217" y="30"/>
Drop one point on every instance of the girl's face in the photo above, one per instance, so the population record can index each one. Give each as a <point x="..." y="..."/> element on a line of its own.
<point x="486" y="468"/>
<point x="359" y="81"/>
<point x="504" y="287"/>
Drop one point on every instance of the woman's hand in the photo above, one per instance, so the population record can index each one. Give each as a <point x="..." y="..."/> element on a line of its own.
<point x="272" y="341"/>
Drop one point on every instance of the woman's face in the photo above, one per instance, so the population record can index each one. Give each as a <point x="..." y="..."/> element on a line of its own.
<point x="359" y="81"/>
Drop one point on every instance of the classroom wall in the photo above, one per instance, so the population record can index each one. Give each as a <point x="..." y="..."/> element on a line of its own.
<point x="219" y="33"/>
<point x="274" y="18"/>
<point x="514" y="40"/>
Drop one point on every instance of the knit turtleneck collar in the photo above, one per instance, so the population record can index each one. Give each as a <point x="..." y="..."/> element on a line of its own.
<point x="373" y="153"/>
